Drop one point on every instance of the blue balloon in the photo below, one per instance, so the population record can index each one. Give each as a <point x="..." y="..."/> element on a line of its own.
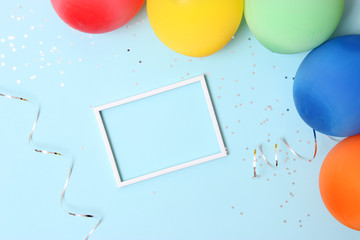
<point x="327" y="87"/>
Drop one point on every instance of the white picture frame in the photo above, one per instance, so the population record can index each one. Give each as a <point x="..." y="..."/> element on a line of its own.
<point x="119" y="181"/>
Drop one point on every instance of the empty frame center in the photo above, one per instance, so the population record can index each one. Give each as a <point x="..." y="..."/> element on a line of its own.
<point x="160" y="131"/>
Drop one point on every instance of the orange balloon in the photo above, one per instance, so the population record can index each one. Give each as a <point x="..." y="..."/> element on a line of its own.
<point x="340" y="182"/>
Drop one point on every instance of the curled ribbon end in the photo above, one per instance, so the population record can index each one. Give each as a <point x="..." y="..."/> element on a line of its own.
<point x="58" y="154"/>
<point x="290" y="148"/>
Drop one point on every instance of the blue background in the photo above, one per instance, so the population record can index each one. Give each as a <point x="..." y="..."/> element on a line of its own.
<point x="67" y="72"/>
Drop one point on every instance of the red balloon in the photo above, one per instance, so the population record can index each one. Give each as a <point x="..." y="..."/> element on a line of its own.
<point x="96" y="16"/>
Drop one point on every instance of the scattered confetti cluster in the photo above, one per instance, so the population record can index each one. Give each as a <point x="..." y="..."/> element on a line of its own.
<point x="67" y="71"/>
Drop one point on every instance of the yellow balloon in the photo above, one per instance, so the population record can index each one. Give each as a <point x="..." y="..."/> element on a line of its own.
<point x="196" y="28"/>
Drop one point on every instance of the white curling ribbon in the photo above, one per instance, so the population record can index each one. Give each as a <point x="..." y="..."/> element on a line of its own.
<point x="58" y="154"/>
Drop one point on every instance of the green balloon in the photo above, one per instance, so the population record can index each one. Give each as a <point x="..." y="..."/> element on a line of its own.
<point x="292" y="26"/>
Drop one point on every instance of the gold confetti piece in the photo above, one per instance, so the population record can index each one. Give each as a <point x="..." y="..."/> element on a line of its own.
<point x="254" y="163"/>
<point x="58" y="154"/>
